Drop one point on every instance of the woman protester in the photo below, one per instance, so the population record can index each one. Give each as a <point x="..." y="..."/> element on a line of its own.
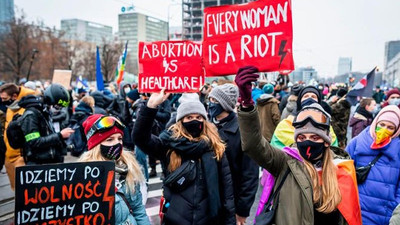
<point x="198" y="186"/>
<point x="104" y="139"/>
<point x="315" y="188"/>
<point x="380" y="188"/>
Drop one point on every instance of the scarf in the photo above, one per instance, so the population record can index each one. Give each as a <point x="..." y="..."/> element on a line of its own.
<point x="192" y="150"/>
<point x="221" y="123"/>
<point x="364" y="112"/>
<point x="121" y="170"/>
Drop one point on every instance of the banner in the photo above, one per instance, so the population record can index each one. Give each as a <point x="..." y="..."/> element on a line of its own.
<point x="173" y="65"/>
<point x="67" y="193"/>
<point x="257" y="33"/>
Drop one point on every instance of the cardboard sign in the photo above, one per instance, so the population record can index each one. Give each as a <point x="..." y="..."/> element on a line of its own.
<point x="173" y="65"/>
<point x="62" y="77"/>
<point x="69" y="193"/>
<point x="257" y="33"/>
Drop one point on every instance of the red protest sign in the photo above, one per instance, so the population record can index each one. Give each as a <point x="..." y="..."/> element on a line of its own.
<point x="257" y="33"/>
<point x="173" y="65"/>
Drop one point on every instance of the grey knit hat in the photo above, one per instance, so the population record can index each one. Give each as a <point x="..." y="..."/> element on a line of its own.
<point x="190" y="107"/>
<point x="310" y="128"/>
<point x="227" y="95"/>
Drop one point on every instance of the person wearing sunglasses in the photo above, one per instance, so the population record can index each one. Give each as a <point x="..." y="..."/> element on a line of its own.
<point x="380" y="191"/>
<point x="319" y="187"/>
<point x="104" y="140"/>
<point x="198" y="186"/>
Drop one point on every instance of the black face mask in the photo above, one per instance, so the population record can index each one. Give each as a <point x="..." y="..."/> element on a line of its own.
<point x="111" y="152"/>
<point x="214" y="109"/>
<point x="307" y="102"/>
<point x="194" y="128"/>
<point x="8" y="102"/>
<point x="310" y="150"/>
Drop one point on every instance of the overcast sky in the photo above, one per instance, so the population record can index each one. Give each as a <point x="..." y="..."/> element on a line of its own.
<point x="323" y="30"/>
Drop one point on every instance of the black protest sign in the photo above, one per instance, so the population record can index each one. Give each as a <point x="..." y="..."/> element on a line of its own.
<point x="69" y="193"/>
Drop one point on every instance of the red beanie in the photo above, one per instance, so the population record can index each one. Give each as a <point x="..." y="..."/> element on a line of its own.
<point x="98" y="137"/>
<point x="393" y="91"/>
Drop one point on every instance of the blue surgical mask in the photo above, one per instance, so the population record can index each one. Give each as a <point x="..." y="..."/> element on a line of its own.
<point x="307" y="102"/>
<point x="376" y="110"/>
<point x="395" y="101"/>
<point x="214" y="109"/>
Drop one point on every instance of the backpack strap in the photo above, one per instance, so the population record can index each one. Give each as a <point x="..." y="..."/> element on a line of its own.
<point x="126" y="202"/>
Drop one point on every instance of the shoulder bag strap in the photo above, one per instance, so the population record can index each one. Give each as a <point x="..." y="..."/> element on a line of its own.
<point x="276" y="192"/>
<point x="126" y="202"/>
<point x="376" y="159"/>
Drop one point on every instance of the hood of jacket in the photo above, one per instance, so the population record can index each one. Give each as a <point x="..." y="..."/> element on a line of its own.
<point x="31" y="101"/>
<point x="121" y="89"/>
<point x="83" y="107"/>
<point x="98" y="98"/>
<point x="265" y="99"/>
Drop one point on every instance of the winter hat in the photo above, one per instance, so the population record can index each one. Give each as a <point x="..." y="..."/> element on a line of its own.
<point x="305" y="90"/>
<point x="227" y="95"/>
<point x="268" y="89"/>
<point x="188" y="97"/>
<point x="389" y="113"/>
<point x="31" y="85"/>
<point x="295" y="89"/>
<point x="310" y="128"/>
<point x="190" y="107"/>
<point x="393" y="91"/>
<point x="82" y="90"/>
<point x="98" y="137"/>
<point x="341" y="92"/>
<point x="133" y="95"/>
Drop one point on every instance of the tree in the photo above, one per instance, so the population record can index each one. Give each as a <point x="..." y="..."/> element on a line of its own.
<point x="110" y="53"/>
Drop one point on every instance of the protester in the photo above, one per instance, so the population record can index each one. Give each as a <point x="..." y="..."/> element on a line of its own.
<point x="378" y="95"/>
<point x="77" y="141"/>
<point x="60" y="118"/>
<point x="10" y="95"/>
<point x="193" y="142"/>
<point x="317" y="190"/>
<point x="105" y="144"/>
<point x="268" y="111"/>
<point x="244" y="170"/>
<point x="294" y="91"/>
<point x="363" y="116"/>
<point x="392" y="98"/>
<point x="43" y="144"/>
<point x="340" y="116"/>
<point x="284" y="92"/>
<point x="379" y="192"/>
<point x="284" y="132"/>
<point x="257" y="90"/>
<point x="101" y="102"/>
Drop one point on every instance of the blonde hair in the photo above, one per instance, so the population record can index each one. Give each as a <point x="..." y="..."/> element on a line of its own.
<point x="134" y="176"/>
<point x="89" y="100"/>
<point x="209" y="134"/>
<point x="326" y="193"/>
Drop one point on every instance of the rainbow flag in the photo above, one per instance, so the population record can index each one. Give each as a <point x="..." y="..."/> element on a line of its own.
<point x="119" y="72"/>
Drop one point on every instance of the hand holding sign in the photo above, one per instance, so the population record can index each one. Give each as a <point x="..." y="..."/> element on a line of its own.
<point x="157" y="99"/>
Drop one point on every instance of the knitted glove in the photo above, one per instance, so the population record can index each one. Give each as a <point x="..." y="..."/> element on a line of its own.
<point x="244" y="77"/>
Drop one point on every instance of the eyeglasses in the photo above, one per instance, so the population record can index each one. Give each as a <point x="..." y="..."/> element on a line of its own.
<point x="103" y="124"/>
<point x="313" y="115"/>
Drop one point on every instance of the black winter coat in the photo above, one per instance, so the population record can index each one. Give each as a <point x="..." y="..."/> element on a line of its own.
<point x="245" y="172"/>
<point x="119" y="107"/>
<point x="42" y="145"/>
<point x="190" y="206"/>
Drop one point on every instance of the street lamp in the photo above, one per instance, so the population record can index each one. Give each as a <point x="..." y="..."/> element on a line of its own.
<point x="34" y="51"/>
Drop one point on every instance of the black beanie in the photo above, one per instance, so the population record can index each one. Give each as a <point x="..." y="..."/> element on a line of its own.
<point x="305" y="90"/>
<point x="341" y="92"/>
<point x="133" y="95"/>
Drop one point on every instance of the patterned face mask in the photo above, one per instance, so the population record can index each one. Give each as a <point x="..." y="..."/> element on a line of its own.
<point x="111" y="152"/>
<point x="382" y="135"/>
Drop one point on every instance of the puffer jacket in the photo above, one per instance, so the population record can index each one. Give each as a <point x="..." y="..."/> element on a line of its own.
<point x="380" y="193"/>
<point x="190" y="206"/>
<point x="269" y="114"/>
<point x="122" y="214"/>
<point x="14" y="154"/>
<point x="295" y="204"/>
<point x="43" y="145"/>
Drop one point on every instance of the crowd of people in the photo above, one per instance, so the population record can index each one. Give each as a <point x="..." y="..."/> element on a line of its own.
<point x="321" y="160"/>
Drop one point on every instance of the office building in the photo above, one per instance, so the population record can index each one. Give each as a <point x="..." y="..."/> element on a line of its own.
<point x="134" y="27"/>
<point x="392" y="72"/>
<point x="192" y="16"/>
<point x="391" y="50"/>
<point x="6" y="14"/>
<point x="308" y="75"/>
<point x="345" y="65"/>
<point x="81" y="30"/>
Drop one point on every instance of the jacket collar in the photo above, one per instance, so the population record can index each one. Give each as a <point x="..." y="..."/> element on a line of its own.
<point x="231" y="126"/>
